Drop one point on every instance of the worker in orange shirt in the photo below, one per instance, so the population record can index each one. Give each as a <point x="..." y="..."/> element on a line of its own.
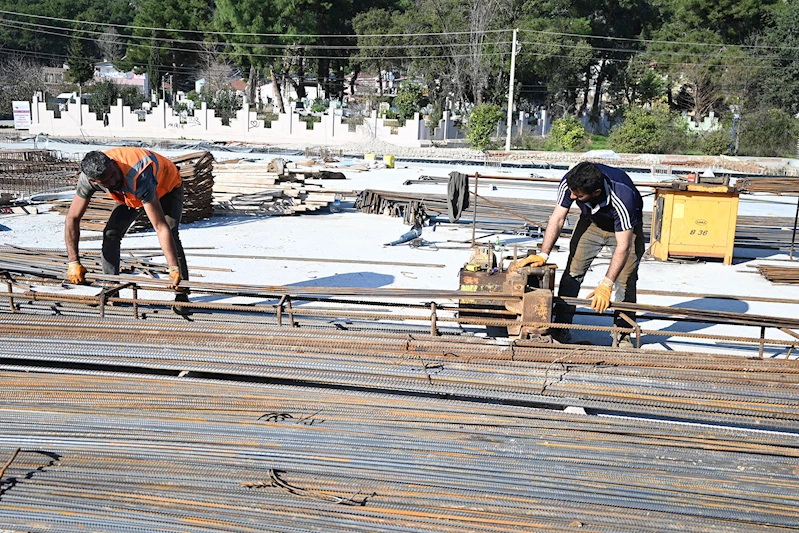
<point x="138" y="180"/>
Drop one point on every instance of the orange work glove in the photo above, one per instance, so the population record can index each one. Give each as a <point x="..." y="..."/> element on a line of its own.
<point x="531" y="260"/>
<point x="600" y="297"/>
<point x="174" y="278"/>
<point x="76" y="273"/>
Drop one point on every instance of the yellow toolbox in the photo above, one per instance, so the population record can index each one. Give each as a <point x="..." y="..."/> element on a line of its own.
<point x="694" y="220"/>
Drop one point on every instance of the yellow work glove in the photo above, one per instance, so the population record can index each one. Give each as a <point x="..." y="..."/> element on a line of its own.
<point x="531" y="260"/>
<point x="600" y="297"/>
<point x="174" y="278"/>
<point x="76" y="273"/>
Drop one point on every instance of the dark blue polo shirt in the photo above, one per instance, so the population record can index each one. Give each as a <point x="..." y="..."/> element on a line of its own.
<point x="621" y="207"/>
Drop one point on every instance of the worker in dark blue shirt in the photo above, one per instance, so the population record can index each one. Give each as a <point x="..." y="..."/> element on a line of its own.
<point x="610" y="215"/>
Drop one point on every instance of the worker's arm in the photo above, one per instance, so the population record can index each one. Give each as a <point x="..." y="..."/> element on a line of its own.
<point x="556" y="221"/>
<point x="72" y="227"/>
<point x="600" y="297"/>
<point x="156" y="215"/>
<point x="555" y="225"/>
<point x="624" y="240"/>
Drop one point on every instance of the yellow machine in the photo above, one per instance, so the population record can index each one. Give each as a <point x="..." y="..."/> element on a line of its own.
<point x="694" y="220"/>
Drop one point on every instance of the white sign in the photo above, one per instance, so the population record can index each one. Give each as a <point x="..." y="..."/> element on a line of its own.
<point x="22" y="115"/>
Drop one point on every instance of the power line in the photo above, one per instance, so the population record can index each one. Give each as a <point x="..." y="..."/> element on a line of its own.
<point x="30" y="26"/>
<point x="423" y="34"/>
<point x="281" y="35"/>
<point x="7" y="24"/>
<point x="12" y="24"/>
<point x="656" y="41"/>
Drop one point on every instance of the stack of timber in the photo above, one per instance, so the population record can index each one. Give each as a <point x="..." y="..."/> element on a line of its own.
<point x="778" y="274"/>
<point x="196" y="169"/>
<point x="769" y="184"/>
<point x="276" y="188"/>
<point x="24" y="173"/>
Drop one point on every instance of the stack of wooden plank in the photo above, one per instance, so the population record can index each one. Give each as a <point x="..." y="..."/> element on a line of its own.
<point x="274" y="188"/>
<point x="779" y="274"/>
<point x="196" y="169"/>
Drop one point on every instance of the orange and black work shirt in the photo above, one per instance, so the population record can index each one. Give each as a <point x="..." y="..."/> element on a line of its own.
<point x="146" y="176"/>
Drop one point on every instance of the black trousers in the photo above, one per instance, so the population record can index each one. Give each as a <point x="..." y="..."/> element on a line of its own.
<point x="586" y="243"/>
<point x="123" y="216"/>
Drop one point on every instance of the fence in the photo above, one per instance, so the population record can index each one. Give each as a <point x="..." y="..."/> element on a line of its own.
<point x="289" y="128"/>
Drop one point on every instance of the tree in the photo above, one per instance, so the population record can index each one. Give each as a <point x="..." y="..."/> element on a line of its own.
<point x="286" y="54"/>
<point x="34" y="35"/>
<point x="697" y="66"/>
<point x="409" y="99"/>
<point x="482" y="125"/>
<point x="110" y="44"/>
<point x="372" y="27"/>
<point x="781" y="77"/>
<point x="473" y="51"/>
<point x="164" y="50"/>
<point x="20" y="79"/>
<point x="104" y="95"/>
<point x="553" y="64"/>
<point x="81" y="66"/>
<point x="732" y="20"/>
<point x="769" y="133"/>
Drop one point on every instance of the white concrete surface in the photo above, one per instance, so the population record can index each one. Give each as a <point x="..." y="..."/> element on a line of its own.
<point x="353" y="235"/>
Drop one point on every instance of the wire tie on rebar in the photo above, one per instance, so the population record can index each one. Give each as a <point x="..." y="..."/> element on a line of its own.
<point x="556" y="361"/>
<point x="275" y="417"/>
<point x="276" y="482"/>
<point x="304" y="420"/>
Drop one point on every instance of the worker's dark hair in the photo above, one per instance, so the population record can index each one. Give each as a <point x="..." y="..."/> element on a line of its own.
<point x="94" y="164"/>
<point x="585" y="177"/>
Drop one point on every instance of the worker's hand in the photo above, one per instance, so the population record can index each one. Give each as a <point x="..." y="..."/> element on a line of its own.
<point x="174" y="278"/>
<point x="531" y="260"/>
<point x="76" y="273"/>
<point x="600" y="297"/>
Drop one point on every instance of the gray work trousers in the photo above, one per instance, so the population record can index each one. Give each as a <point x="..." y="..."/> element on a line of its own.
<point x="586" y="243"/>
<point x="123" y="216"/>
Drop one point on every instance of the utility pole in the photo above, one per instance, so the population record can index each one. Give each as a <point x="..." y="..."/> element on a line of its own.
<point x="510" y="91"/>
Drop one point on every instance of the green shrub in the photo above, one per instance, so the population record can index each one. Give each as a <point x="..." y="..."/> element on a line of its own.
<point x="715" y="142"/>
<point x="319" y="106"/>
<point x="309" y="121"/>
<point x="482" y="125"/>
<point x="650" y="131"/>
<point x="194" y="96"/>
<point x="436" y="114"/>
<point x="409" y="99"/>
<point x="768" y="133"/>
<point x="567" y="134"/>
<point x="104" y="95"/>
<point x="225" y="104"/>
<point x="131" y="96"/>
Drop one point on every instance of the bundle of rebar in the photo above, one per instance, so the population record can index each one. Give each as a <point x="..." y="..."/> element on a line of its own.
<point x="196" y="170"/>
<point x="112" y="425"/>
<point x="778" y="274"/>
<point x="24" y="173"/>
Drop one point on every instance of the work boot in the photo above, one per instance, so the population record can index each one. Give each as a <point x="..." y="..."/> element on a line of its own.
<point x="626" y="341"/>
<point x="180" y="309"/>
<point x="561" y="335"/>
